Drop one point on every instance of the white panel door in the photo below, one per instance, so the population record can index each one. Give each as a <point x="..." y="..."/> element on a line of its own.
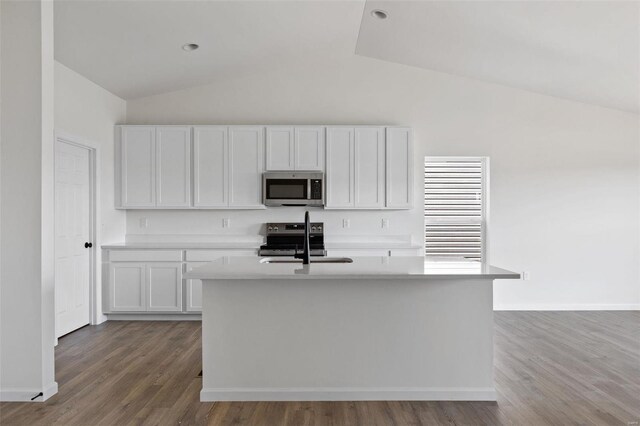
<point x="72" y="231"/>
<point x="138" y="166"/>
<point x="127" y="287"/>
<point x="173" y="166"/>
<point x="399" y="168"/>
<point x="193" y="289"/>
<point x="210" y="166"/>
<point x="309" y="148"/>
<point x="246" y="149"/>
<point x="279" y="149"/>
<point x="340" y="167"/>
<point x="369" y="167"/>
<point x="164" y="286"/>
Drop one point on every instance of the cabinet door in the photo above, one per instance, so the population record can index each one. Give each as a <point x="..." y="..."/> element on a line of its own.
<point x="279" y="150"/>
<point x="246" y="149"/>
<point x="399" y="168"/>
<point x="127" y="287"/>
<point x="369" y="167"/>
<point x="138" y="166"/>
<point x="309" y="148"/>
<point x="173" y="166"/>
<point x="193" y="290"/>
<point x="340" y="172"/>
<point x="210" y="166"/>
<point x="164" y="286"/>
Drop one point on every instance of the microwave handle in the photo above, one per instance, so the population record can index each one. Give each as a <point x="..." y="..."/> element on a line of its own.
<point x="308" y="189"/>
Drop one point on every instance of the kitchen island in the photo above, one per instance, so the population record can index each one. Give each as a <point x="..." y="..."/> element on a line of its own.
<point x="378" y="328"/>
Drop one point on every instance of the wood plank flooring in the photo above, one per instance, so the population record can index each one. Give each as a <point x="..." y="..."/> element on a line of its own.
<point x="555" y="368"/>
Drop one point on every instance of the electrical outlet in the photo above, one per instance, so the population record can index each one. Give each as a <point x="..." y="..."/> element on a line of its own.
<point x="226" y="222"/>
<point x="385" y="223"/>
<point x="346" y="223"/>
<point x="526" y="275"/>
<point x="144" y="222"/>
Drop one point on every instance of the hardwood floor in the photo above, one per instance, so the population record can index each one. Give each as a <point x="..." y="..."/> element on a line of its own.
<point x="555" y="368"/>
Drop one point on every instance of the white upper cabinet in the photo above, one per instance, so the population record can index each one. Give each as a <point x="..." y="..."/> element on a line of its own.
<point x="173" y="166"/>
<point x="399" y="188"/>
<point x="246" y="148"/>
<point x="295" y="148"/>
<point x="221" y="167"/>
<point x="340" y="168"/>
<point x="309" y="148"/>
<point x="210" y="164"/>
<point x="369" y="167"/>
<point x="227" y="166"/>
<point x="279" y="149"/>
<point x="155" y="166"/>
<point x="137" y="166"/>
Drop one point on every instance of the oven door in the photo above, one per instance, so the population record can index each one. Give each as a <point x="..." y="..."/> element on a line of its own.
<point x="286" y="191"/>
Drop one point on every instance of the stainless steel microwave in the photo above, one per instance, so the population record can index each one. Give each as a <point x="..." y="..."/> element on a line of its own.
<point x="298" y="188"/>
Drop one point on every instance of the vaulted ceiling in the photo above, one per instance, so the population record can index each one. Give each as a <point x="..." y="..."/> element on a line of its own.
<point x="584" y="51"/>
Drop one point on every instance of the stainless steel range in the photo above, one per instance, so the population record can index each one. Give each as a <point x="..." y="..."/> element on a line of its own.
<point x="287" y="239"/>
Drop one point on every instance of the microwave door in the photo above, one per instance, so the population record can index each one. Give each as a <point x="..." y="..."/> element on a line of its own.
<point x="287" y="190"/>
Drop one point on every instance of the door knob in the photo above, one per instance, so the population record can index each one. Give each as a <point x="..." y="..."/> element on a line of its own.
<point x="88" y="245"/>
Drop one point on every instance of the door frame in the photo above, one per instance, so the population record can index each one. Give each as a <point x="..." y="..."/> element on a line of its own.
<point x="95" y="313"/>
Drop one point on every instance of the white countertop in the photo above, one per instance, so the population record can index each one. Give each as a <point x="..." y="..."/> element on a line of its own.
<point x="370" y="245"/>
<point x="183" y="245"/>
<point x="245" y="267"/>
<point x="249" y="245"/>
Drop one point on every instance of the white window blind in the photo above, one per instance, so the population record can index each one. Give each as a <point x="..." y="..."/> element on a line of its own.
<point x="454" y="206"/>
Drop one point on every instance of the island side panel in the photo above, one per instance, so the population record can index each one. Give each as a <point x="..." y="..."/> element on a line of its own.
<point x="347" y="339"/>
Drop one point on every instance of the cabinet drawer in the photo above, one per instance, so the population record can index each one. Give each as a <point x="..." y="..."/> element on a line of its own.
<point x="211" y="255"/>
<point x="145" y="255"/>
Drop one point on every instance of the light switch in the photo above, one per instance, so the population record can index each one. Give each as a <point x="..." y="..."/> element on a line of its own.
<point x="144" y="222"/>
<point x="226" y="222"/>
<point x="385" y="223"/>
<point x="346" y="223"/>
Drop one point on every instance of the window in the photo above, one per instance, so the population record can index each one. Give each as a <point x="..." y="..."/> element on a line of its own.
<point x="455" y="206"/>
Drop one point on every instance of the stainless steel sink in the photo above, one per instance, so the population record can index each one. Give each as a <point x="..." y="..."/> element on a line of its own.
<point x="312" y="260"/>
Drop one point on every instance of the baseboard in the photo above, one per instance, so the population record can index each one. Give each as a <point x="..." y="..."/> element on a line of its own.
<point x="347" y="394"/>
<point x="26" y="395"/>
<point x="567" y="307"/>
<point x="154" y="317"/>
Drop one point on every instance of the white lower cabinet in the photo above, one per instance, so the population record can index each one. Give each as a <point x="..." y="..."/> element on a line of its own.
<point x="142" y="287"/>
<point x="127" y="287"/>
<point x="193" y="290"/>
<point x="164" y="287"/>
<point x="151" y="281"/>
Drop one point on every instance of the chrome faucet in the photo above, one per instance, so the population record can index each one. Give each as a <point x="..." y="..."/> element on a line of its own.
<point x="305" y="256"/>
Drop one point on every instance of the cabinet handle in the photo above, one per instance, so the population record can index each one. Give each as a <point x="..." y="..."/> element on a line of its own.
<point x="88" y="245"/>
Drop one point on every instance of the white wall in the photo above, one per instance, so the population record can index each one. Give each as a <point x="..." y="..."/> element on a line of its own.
<point x="564" y="175"/>
<point x="26" y="218"/>
<point x="86" y="111"/>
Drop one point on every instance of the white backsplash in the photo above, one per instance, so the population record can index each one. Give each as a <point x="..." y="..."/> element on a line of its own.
<point x="248" y="225"/>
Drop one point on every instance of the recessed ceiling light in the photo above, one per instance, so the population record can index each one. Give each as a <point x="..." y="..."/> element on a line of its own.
<point x="380" y="14"/>
<point x="189" y="47"/>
